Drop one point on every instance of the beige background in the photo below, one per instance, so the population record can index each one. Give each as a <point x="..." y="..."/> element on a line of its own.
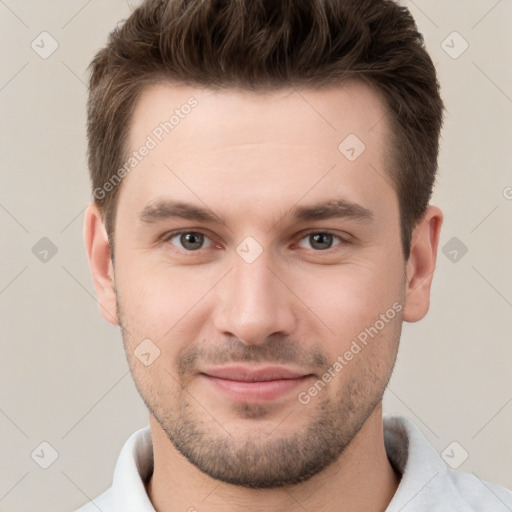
<point x="64" y="377"/>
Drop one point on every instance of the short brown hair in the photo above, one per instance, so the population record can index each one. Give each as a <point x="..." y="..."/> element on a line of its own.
<point x="265" y="44"/>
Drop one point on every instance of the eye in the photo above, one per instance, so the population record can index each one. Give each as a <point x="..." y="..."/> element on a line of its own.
<point x="188" y="240"/>
<point x="320" y="240"/>
<point x="191" y="241"/>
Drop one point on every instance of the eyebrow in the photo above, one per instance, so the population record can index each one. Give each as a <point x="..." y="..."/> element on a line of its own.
<point x="337" y="208"/>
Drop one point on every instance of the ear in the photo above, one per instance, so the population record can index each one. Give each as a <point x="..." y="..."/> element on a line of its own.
<point x="98" y="252"/>
<point x="421" y="264"/>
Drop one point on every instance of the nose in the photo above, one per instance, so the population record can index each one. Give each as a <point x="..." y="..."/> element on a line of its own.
<point x="253" y="303"/>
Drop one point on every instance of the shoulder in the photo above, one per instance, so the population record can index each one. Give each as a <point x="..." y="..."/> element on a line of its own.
<point x="473" y="491"/>
<point x="128" y="493"/>
<point x="427" y="483"/>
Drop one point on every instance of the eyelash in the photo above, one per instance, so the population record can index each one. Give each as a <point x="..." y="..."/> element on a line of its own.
<point x="169" y="236"/>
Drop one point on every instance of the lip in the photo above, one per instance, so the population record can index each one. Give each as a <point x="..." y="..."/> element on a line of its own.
<point x="258" y="385"/>
<point x="246" y="374"/>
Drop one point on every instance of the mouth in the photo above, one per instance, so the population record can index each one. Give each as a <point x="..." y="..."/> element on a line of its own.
<point x="257" y="385"/>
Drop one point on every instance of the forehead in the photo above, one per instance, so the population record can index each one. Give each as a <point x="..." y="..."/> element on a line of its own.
<point x="240" y="149"/>
<point x="234" y="116"/>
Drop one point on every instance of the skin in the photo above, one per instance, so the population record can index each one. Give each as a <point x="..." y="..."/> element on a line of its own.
<point x="252" y="159"/>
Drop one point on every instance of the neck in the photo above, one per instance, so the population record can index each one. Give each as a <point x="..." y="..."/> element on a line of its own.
<point x="362" y="479"/>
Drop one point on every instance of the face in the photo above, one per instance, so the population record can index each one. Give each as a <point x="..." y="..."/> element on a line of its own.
<point x="259" y="274"/>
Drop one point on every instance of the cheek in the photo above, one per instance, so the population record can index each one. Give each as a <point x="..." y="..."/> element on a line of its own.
<point x="158" y="301"/>
<point x="349" y="298"/>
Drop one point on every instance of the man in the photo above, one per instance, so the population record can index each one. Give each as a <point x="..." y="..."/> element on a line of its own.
<point x="261" y="228"/>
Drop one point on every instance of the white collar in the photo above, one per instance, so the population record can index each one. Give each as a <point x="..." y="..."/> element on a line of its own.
<point x="427" y="485"/>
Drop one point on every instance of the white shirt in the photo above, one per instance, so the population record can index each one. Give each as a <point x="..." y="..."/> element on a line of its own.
<point x="427" y="484"/>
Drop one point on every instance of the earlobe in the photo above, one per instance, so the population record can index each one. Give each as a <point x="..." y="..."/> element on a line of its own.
<point x="421" y="264"/>
<point x="98" y="252"/>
